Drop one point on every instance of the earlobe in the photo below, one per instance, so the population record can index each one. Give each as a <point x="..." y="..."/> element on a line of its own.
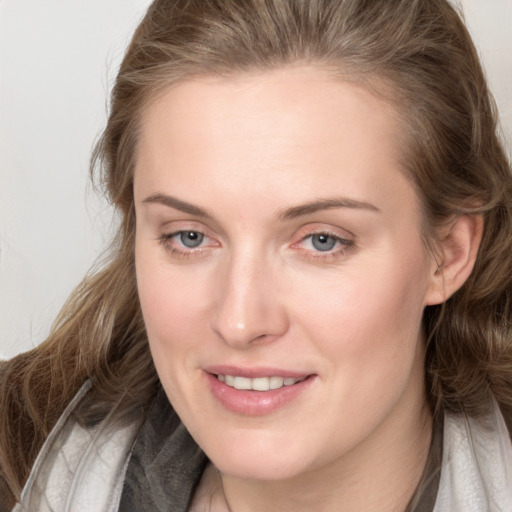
<point x="455" y="257"/>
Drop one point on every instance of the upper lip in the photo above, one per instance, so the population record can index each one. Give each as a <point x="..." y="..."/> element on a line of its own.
<point x="254" y="371"/>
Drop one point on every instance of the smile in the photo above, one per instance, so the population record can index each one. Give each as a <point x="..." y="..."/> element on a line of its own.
<point x="256" y="394"/>
<point x="258" y="383"/>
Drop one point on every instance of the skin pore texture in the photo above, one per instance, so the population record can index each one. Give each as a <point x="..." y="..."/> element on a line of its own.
<point x="278" y="237"/>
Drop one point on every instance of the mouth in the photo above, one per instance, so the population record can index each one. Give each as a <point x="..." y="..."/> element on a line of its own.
<point x="258" y="383"/>
<point x="257" y="392"/>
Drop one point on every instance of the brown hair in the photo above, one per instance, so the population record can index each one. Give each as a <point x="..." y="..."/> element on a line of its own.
<point x="423" y="52"/>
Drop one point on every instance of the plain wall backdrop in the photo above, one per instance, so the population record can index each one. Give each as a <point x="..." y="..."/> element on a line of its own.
<point x="58" y="59"/>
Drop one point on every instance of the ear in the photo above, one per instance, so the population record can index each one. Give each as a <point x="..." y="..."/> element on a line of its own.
<point x="455" y="257"/>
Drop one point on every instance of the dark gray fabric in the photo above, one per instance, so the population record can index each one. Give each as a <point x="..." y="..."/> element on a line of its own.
<point x="424" y="499"/>
<point x="165" y="466"/>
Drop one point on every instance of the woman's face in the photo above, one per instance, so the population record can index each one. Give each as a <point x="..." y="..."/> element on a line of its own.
<point x="281" y="270"/>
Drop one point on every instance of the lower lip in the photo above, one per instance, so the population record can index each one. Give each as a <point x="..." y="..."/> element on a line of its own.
<point x="255" y="403"/>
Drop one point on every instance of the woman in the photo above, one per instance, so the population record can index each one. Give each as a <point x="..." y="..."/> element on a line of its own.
<point x="308" y="302"/>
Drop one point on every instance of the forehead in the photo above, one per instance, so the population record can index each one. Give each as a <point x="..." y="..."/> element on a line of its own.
<point x="297" y="129"/>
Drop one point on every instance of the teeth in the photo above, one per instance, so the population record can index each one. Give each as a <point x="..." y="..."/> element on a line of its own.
<point x="276" y="382"/>
<point x="258" y="383"/>
<point x="242" y="383"/>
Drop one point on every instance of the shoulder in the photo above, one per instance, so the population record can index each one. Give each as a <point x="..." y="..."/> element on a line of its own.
<point x="476" y="469"/>
<point x="506" y="411"/>
<point x="80" y="468"/>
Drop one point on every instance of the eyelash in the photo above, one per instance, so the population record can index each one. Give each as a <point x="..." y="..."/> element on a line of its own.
<point x="344" y="245"/>
<point x="166" y="240"/>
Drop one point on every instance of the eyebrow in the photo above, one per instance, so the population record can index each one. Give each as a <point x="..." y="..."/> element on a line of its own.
<point x="177" y="204"/>
<point x="325" y="204"/>
<point x="286" y="214"/>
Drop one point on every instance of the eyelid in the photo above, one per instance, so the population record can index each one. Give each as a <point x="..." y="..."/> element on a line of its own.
<point x="343" y="241"/>
<point x="170" y="230"/>
<point x="167" y="235"/>
<point x="176" y="226"/>
<point x="346" y="242"/>
<point x="323" y="229"/>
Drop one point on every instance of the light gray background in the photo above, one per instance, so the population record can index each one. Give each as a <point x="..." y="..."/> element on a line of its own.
<point x="57" y="62"/>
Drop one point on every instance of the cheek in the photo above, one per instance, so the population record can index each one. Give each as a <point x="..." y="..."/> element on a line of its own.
<point x="368" y="322"/>
<point x="171" y="302"/>
<point x="174" y="310"/>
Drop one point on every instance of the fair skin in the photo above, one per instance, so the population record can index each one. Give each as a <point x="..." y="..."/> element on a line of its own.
<point x="278" y="237"/>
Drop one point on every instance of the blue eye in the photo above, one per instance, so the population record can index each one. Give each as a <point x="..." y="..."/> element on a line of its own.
<point x="191" y="239"/>
<point x="187" y="243"/>
<point x="325" y="246"/>
<point x="323" y="242"/>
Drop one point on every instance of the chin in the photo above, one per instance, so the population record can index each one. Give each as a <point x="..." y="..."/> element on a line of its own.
<point x="257" y="470"/>
<point x="258" y="460"/>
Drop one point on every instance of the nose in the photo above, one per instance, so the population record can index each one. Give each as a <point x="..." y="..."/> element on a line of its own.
<point x="249" y="306"/>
